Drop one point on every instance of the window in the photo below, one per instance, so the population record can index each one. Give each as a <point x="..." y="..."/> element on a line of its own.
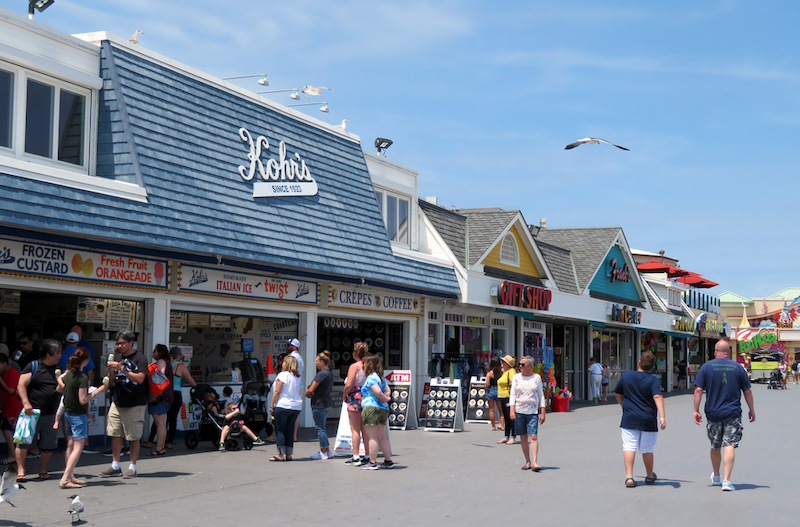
<point x="509" y="253"/>
<point x="54" y="114"/>
<point x="395" y="212"/>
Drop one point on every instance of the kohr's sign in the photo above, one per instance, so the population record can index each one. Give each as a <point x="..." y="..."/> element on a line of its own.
<point x="525" y="296"/>
<point x="285" y="176"/>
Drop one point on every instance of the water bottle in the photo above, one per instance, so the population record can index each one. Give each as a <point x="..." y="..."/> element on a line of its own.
<point x="17" y="355"/>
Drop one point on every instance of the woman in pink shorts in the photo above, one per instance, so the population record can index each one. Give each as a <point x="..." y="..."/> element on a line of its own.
<point x="352" y="398"/>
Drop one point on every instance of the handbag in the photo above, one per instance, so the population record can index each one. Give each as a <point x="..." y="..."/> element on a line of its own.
<point x="26" y="427"/>
<point x="158" y="382"/>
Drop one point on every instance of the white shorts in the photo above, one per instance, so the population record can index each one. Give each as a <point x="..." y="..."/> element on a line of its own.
<point x="633" y="440"/>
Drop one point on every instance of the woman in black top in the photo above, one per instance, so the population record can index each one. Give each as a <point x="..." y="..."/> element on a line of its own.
<point x="321" y="402"/>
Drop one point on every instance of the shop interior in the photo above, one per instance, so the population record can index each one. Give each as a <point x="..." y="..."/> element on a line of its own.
<point x="340" y="335"/>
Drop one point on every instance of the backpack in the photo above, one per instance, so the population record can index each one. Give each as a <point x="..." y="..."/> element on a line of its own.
<point x="156" y="381"/>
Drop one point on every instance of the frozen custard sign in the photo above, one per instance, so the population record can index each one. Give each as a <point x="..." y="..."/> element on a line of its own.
<point x="285" y="176"/>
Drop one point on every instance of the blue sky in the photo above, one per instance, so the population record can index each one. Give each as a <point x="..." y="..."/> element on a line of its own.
<point x="482" y="97"/>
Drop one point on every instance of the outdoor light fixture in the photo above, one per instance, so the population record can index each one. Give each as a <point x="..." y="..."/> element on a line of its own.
<point x="263" y="81"/>
<point x="295" y="95"/>
<point x="39" y="5"/>
<point x="382" y="144"/>
<point x="324" y="109"/>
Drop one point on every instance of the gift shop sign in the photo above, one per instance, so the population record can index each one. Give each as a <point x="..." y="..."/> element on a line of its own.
<point x="368" y="299"/>
<point x="203" y="280"/>
<point x="286" y="176"/>
<point x="50" y="261"/>
<point x="525" y="296"/>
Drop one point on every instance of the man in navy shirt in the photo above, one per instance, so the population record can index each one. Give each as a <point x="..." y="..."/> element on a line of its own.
<point x="639" y="393"/>
<point x="724" y="381"/>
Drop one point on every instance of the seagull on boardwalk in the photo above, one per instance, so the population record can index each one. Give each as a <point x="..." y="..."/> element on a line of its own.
<point x="75" y="508"/>
<point x="343" y="126"/>
<point x="135" y="38"/>
<point x="8" y="484"/>
<point x="592" y="141"/>
<point x="311" y="90"/>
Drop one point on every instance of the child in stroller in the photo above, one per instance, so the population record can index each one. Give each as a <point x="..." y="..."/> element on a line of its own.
<point x="212" y="421"/>
<point x="234" y="425"/>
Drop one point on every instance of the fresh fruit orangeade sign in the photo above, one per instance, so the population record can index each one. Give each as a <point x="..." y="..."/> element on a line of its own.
<point x="60" y="262"/>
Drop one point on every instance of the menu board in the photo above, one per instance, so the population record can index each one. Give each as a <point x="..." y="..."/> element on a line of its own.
<point x="177" y="322"/>
<point x="220" y="321"/>
<point x="119" y="316"/>
<point x="477" y="403"/>
<point x="199" y="320"/>
<point x="401" y="403"/>
<point x="9" y="302"/>
<point x="91" y="310"/>
<point x="426" y="394"/>
<point x="445" y="411"/>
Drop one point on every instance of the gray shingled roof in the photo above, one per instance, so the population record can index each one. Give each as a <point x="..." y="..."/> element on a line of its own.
<point x="587" y="246"/>
<point x="485" y="226"/>
<point x="559" y="261"/>
<point x="450" y="225"/>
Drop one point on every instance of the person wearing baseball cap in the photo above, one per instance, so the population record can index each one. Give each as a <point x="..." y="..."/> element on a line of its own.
<point x="293" y="347"/>
<point x="73" y="340"/>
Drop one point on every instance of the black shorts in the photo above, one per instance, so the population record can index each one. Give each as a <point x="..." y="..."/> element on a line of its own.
<point x="5" y="424"/>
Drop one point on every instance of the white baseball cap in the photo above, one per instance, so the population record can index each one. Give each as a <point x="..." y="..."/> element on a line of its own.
<point x="73" y="338"/>
<point x="295" y="343"/>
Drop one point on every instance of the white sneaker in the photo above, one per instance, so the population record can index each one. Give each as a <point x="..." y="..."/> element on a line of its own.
<point x="319" y="455"/>
<point x="328" y="454"/>
<point x="715" y="480"/>
<point x="727" y="485"/>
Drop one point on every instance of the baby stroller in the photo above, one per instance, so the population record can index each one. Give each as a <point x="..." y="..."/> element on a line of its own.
<point x="211" y="424"/>
<point x="775" y="381"/>
<point x="254" y="407"/>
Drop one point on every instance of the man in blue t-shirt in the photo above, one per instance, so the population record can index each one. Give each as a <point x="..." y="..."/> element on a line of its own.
<point x="639" y="393"/>
<point x="724" y="381"/>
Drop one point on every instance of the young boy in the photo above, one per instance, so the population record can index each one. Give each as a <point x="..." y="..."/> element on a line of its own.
<point x="234" y="422"/>
<point x="639" y="393"/>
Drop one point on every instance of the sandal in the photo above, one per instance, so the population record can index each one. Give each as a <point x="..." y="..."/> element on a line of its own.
<point x="512" y="442"/>
<point x="288" y="458"/>
<point x="651" y="481"/>
<point x="630" y="483"/>
<point x="502" y="441"/>
<point x="536" y="468"/>
<point x="526" y="466"/>
<point x="157" y="452"/>
<point x="22" y="479"/>
<point x="276" y="458"/>
<point x="69" y="485"/>
<point x="78" y="481"/>
<point x="44" y="476"/>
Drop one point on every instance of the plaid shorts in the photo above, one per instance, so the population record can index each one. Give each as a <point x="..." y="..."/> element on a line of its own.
<point x="726" y="433"/>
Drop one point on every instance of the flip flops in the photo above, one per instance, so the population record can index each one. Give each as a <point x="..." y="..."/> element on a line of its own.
<point x="44" y="476"/>
<point x="22" y="479"/>
<point x="276" y="458"/>
<point x="69" y="485"/>
<point x="536" y="468"/>
<point x="526" y="466"/>
<point x="157" y="452"/>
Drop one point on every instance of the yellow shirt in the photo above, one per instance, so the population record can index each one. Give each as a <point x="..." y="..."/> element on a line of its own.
<point x="504" y="384"/>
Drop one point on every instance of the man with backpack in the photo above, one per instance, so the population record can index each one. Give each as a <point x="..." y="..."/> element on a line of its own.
<point x="125" y="419"/>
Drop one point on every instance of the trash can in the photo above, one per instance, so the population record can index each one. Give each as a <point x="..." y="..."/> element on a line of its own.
<point x="560" y="404"/>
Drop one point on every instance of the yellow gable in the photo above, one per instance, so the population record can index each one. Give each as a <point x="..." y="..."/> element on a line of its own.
<point x="526" y="265"/>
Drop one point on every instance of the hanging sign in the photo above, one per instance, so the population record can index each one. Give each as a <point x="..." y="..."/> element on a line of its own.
<point x="477" y="403"/>
<point x="370" y="299"/>
<point x="202" y="280"/>
<point x="401" y="416"/>
<point x="59" y="262"/>
<point x="285" y="176"/>
<point x="445" y="410"/>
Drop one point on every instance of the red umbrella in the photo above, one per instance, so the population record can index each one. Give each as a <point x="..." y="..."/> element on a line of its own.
<point x="653" y="266"/>
<point x="677" y="271"/>
<point x="706" y="284"/>
<point x="691" y="279"/>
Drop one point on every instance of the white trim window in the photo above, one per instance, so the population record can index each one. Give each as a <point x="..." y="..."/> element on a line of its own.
<point x="44" y="120"/>
<point x="509" y="252"/>
<point x="396" y="212"/>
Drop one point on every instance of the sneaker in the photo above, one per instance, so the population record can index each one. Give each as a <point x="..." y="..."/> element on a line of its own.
<point x="319" y="455"/>
<point x="111" y="472"/>
<point x="727" y="485"/>
<point x="328" y="454"/>
<point x="129" y="474"/>
<point x="258" y="441"/>
<point x="715" y="480"/>
<point x="387" y="464"/>
<point x="89" y="450"/>
<point x="355" y="461"/>
<point x="222" y="447"/>
<point x="369" y="466"/>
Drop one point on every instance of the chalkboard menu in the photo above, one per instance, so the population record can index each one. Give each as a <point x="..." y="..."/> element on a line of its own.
<point x="445" y="411"/>
<point x="477" y="403"/>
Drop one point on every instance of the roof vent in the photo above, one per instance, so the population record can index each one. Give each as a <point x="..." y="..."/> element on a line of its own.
<point x="433" y="200"/>
<point x="543" y="223"/>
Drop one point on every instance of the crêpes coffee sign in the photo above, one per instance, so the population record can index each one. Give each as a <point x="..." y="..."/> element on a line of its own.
<point x="65" y="263"/>
<point x="286" y="176"/>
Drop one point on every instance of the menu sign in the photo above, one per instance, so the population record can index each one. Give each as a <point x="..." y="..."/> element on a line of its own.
<point x="119" y="316"/>
<point x="91" y="310"/>
<point x="51" y="261"/>
<point x="9" y="302"/>
<point x="370" y="299"/>
<point x="401" y="401"/>
<point x="177" y="322"/>
<point x="477" y="403"/>
<point x="445" y="411"/>
<point x="201" y="280"/>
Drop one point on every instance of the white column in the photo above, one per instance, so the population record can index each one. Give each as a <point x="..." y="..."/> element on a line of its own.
<point x="670" y="366"/>
<point x="156" y="324"/>
<point x="307" y="335"/>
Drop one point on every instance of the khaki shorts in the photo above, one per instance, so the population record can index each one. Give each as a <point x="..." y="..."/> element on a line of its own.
<point x="126" y="422"/>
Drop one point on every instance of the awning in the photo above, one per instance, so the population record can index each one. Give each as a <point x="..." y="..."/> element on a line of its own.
<point x="596" y="324"/>
<point x="521" y="314"/>
<point x="678" y="335"/>
<point x="642" y="330"/>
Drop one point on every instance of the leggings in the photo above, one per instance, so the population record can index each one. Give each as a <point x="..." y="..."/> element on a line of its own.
<point x="509" y="424"/>
<point x="284" y="429"/>
<point x="172" y="418"/>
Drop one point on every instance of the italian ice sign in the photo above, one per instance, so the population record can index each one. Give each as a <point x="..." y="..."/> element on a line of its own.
<point x="52" y="261"/>
<point x="203" y="280"/>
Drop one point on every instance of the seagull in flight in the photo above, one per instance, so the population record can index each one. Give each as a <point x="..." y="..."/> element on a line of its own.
<point x="592" y="141"/>
<point x="311" y="90"/>
<point x="8" y="484"/>
<point x="75" y="508"/>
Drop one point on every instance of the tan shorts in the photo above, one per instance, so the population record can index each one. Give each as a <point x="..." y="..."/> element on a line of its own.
<point x="126" y="422"/>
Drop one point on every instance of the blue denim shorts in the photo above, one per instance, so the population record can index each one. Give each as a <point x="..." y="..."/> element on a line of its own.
<point x="159" y="408"/>
<point x="527" y="424"/>
<point x="79" y="424"/>
<point x="491" y="393"/>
